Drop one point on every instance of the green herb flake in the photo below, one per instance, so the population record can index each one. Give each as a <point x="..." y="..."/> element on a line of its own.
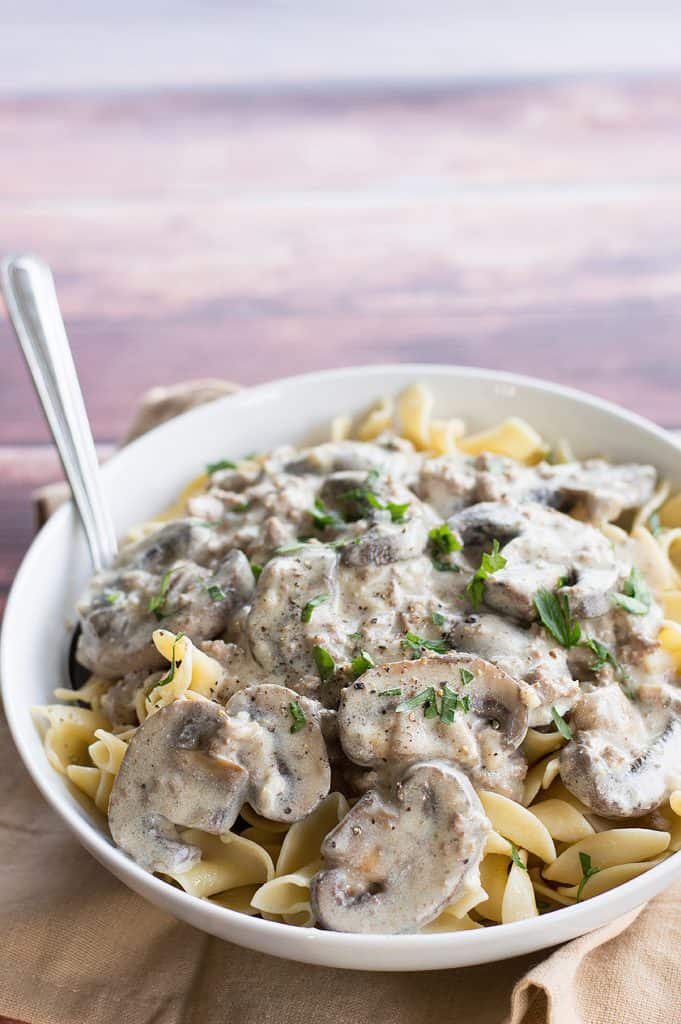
<point x="425" y="697"/>
<point x="604" y="655"/>
<point x="636" y="596"/>
<point x="256" y="570"/>
<point x="322" y="516"/>
<point x="655" y="525"/>
<point x="554" y="612"/>
<point x="448" y="705"/>
<point x="354" y="636"/>
<point x="365" y="495"/>
<point x="466" y="676"/>
<point x="168" y="678"/>
<point x="397" y="511"/>
<point x="214" y="467"/>
<point x="443" y="540"/>
<point x="215" y="592"/>
<point x="395" y="692"/>
<point x="306" y="613"/>
<point x="298" y="716"/>
<point x="243" y="507"/>
<point x="113" y="596"/>
<point x="157" y="602"/>
<point x="360" y="664"/>
<point x="418" y="645"/>
<point x="489" y="564"/>
<point x="326" y="666"/>
<point x="560" y="724"/>
<point x="587" y="872"/>
<point x="516" y="858"/>
<point x="437" y="618"/>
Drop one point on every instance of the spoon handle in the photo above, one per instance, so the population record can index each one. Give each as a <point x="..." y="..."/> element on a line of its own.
<point x="29" y="291"/>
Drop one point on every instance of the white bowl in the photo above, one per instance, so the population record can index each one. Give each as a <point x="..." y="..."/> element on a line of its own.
<point x="148" y="474"/>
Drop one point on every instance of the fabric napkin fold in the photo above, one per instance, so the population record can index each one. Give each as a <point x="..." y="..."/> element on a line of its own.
<point x="80" y="948"/>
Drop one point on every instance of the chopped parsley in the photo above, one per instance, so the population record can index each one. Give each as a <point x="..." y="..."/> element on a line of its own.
<point x="395" y="692"/>
<point x="113" y="596"/>
<point x="604" y="655"/>
<point x="168" y="678"/>
<point x="313" y="603"/>
<point x="554" y="612"/>
<point x="448" y="705"/>
<point x="516" y="858"/>
<point x="560" y="724"/>
<point x="298" y="716"/>
<point x="437" y="618"/>
<point x="322" y="516"/>
<point x="157" y="602"/>
<point x="655" y="525"/>
<point x="587" y="872"/>
<point x="360" y="664"/>
<point x="418" y="645"/>
<point x="214" y="467"/>
<point x="215" y="592"/>
<point x="354" y="636"/>
<point x="243" y="507"/>
<point x="489" y="564"/>
<point x="326" y="666"/>
<point x="426" y="698"/>
<point x="365" y="496"/>
<point x="256" y="570"/>
<point x="636" y="596"/>
<point x="466" y="676"/>
<point x="443" y="542"/>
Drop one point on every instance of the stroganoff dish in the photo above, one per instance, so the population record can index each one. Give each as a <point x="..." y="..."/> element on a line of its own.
<point x="407" y="679"/>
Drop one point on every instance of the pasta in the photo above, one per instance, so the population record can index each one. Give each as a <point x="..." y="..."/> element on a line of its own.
<point x="543" y="845"/>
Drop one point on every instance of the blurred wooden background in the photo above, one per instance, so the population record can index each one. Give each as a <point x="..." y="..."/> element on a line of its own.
<point x="243" y="232"/>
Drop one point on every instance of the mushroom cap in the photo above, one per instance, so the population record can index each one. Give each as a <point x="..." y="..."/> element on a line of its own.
<point x="624" y="758"/>
<point x="395" y="860"/>
<point x="174" y="773"/>
<point x="540" y="545"/>
<point x="482" y="740"/>
<point x="289" y="772"/>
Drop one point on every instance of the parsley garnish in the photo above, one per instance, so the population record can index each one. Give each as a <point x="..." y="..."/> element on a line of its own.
<point x="256" y="570"/>
<point x="112" y="597"/>
<point x="443" y="542"/>
<point x="322" y="516"/>
<point x="354" y="636"/>
<point x="326" y="666"/>
<point x="437" y="618"/>
<point x="157" y="602"/>
<point x="554" y="612"/>
<point x="489" y="564"/>
<point x="448" y="705"/>
<point x="171" y="671"/>
<point x="516" y="858"/>
<point x="466" y="676"/>
<point x="298" y="716"/>
<point x="587" y="872"/>
<point x="655" y="524"/>
<point x="636" y="596"/>
<point x="560" y="724"/>
<point x="395" y="692"/>
<point x="418" y="645"/>
<point x="604" y="655"/>
<point x="365" y="495"/>
<point x="213" y="467"/>
<point x="360" y="664"/>
<point x="313" y="603"/>
<point x="216" y="592"/>
<point x="426" y="697"/>
<point x="243" y="507"/>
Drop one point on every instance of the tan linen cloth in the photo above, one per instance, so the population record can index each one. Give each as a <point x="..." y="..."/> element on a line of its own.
<point x="80" y="948"/>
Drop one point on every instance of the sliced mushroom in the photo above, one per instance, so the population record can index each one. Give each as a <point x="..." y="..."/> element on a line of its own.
<point x="481" y="740"/>
<point x="289" y="772"/>
<point x="541" y="546"/>
<point x="117" y="615"/>
<point x="388" y="542"/>
<point x="175" y="773"/>
<point x="625" y="755"/>
<point x="596" y="490"/>
<point x="337" y="456"/>
<point x="193" y="764"/>
<point x="525" y="654"/>
<point x="395" y="860"/>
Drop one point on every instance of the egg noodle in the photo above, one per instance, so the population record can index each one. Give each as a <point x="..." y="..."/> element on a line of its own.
<point x="548" y="851"/>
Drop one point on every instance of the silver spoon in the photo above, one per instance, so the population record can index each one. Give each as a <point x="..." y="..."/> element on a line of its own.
<point x="31" y="298"/>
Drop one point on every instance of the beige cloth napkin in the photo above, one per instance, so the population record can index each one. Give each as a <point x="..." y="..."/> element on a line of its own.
<point x="80" y="948"/>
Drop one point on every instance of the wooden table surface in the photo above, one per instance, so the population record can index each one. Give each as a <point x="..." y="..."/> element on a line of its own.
<point x="532" y="227"/>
